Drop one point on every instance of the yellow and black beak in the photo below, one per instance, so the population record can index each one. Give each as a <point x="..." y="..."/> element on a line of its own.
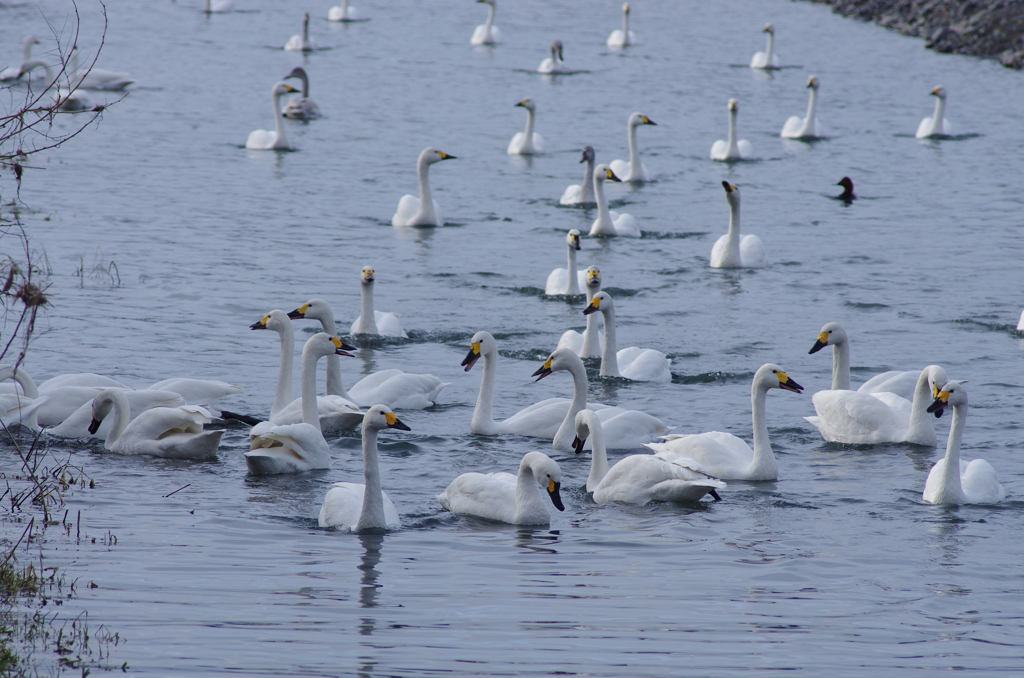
<point x="577" y="445"/>
<point x="648" y="121"/>
<point x="260" y="324"/>
<point x="395" y="422"/>
<point x="941" y="400"/>
<point x="471" y="357"/>
<point x="556" y="498"/>
<point x="787" y="384"/>
<point x="593" y="307"/>
<point x="522" y="103"/>
<point x="576" y="242"/>
<point x="299" y="313"/>
<point x="611" y="175"/>
<point x="341" y="348"/>
<point x="821" y="343"/>
<point x="445" y="156"/>
<point x="544" y="370"/>
<point x="729" y="188"/>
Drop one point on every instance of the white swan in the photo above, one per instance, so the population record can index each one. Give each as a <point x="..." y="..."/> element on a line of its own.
<point x="528" y="142"/>
<point x="300" y="43"/>
<point x="487" y="33"/>
<point x="567" y="280"/>
<point x="731" y="251"/>
<point x="505" y="497"/>
<point x="725" y="456"/>
<point x="58" y="398"/>
<point x="767" y="58"/>
<point x="1020" y="323"/>
<point x="638" y="364"/>
<point x="424" y="210"/>
<point x="95" y="78"/>
<point x="342" y="12"/>
<point x="172" y="432"/>
<point x="588" y="344"/>
<point x="217" y="6"/>
<point x="639" y="478"/>
<point x="806" y="127"/>
<point x="203" y="392"/>
<point x="77" y="424"/>
<point x="610" y="222"/>
<point x="952" y="480"/>
<point x="902" y="383"/>
<point x="264" y="140"/>
<point x="301" y="107"/>
<point x="361" y="507"/>
<point x="583" y="193"/>
<point x="554" y="64"/>
<point x="394" y="388"/>
<point x="937" y="125"/>
<point x="20" y="407"/>
<point x="624" y="429"/>
<point x="292" y="448"/>
<point x="334" y="412"/>
<point x="63" y="96"/>
<point x="732" y="148"/>
<point x="633" y="169"/>
<point x="371" y="321"/>
<point x="622" y="37"/>
<point x="16" y="72"/>
<point x="80" y="379"/>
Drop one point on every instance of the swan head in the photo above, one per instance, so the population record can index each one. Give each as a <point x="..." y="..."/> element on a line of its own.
<point x="732" y="193"/>
<point x="305" y="17"/>
<point x="493" y="3"/>
<point x="773" y="376"/>
<point x="323" y="344"/>
<point x="733" y="106"/>
<point x="297" y="72"/>
<point x="528" y="104"/>
<point x="768" y="28"/>
<point x="952" y="393"/>
<point x="830" y="335"/>
<point x="936" y="378"/>
<point x="572" y="239"/>
<point x="939" y="91"/>
<point x="637" y="119"/>
<point x="812" y="82"/>
<point x="367" y="276"/>
<point x="588" y="154"/>
<point x="275" y="320"/>
<point x="561" y="359"/>
<point x="556" y="50"/>
<point x="600" y="299"/>
<point x="584" y="422"/>
<point x="314" y="309"/>
<point x="625" y="8"/>
<point x="593" y="276"/>
<point x="547" y="474"/>
<point x="430" y="155"/>
<point x="30" y="40"/>
<point x="282" y="88"/>
<point x="101" y="406"/>
<point x="481" y="343"/>
<point x="380" y="417"/>
<point x="606" y="173"/>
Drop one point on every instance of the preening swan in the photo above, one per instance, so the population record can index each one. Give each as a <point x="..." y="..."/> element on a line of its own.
<point x="487" y="33"/>
<point x="582" y="194"/>
<point x="16" y="72"/>
<point x="76" y="425"/>
<point x="300" y="43"/>
<point x="173" y="432"/>
<point x="554" y="64"/>
<point x="342" y="12"/>
<point x="847" y="195"/>
<point x="588" y="344"/>
<point x="899" y="382"/>
<point x="622" y="37"/>
<point x="725" y="456"/>
<point x="264" y="140"/>
<point x="638" y="364"/>
<point x="633" y="170"/>
<point x="301" y="107"/>
<point x="371" y="321"/>
<point x="361" y="507"/>
<point x="937" y="125"/>
<point x="639" y="478"/>
<point x="952" y="480"/>
<point x="424" y="210"/>
<point x="806" y="127"/>
<point x="767" y="58"/>
<point x="731" y="251"/>
<point x="624" y="429"/>
<point x="505" y="497"/>
<point x="567" y="280"/>
<point x="528" y="142"/>
<point x="732" y="148"/>
<point x="610" y="222"/>
<point x="217" y="6"/>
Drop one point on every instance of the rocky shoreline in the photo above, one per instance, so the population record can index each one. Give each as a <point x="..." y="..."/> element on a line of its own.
<point x="984" y="28"/>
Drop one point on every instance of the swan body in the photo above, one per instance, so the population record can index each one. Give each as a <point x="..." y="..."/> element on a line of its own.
<point x="725" y="456"/>
<point x="61" y="396"/>
<point x="847" y="195"/>
<point x="1020" y="323"/>
<point x="264" y="140"/>
<point x="833" y="334"/>
<point x="527" y="142"/>
<point x="80" y="379"/>
<point x="172" y="432"/>
<point x="766" y="59"/>
<point x="583" y="193"/>
<point x="342" y="12"/>
<point x="21" y="406"/>
<point x="361" y="507"/>
<point x="567" y="280"/>
<point x="610" y="222"/>
<point x="588" y="344"/>
<point x="508" y="498"/>
<point x="638" y="364"/>
<point x="301" y="107"/>
<point x="633" y="169"/>
<point x="62" y="97"/>
<point x="554" y="64"/>
<point x="16" y="72"/>
<point x="639" y="478"/>
<point x="217" y="6"/>
<point x="204" y="392"/>
<point x="95" y="78"/>
<point x="732" y="251"/>
<point x="424" y="210"/>
<point x="623" y="37"/>
<point x="732" y="148"/>
<point x="936" y="125"/>
<point x="806" y="127"/>
<point x="371" y="321"/>
<point x="300" y="43"/>
<point x="77" y="424"/>
<point x="487" y="33"/>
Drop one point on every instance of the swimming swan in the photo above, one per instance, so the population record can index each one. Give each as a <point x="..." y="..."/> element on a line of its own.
<point x="895" y="381"/>
<point x="342" y="12"/>
<point x="732" y="149"/>
<point x="300" y="43"/>
<point x="622" y="37"/>
<point x="554" y="64"/>
<point x="16" y="72"/>
<point x="725" y="456"/>
<point x="61" y="396"/>
<point x="505" y="497"/>
<point x="610" y="222"/>
<point x="487" y="33"/>
<point x="95" y="78"/>
<point x="937" y="125"/>
<point x="217" y="6"/>
<point x="203" y="392"/>
<point x="588" y="344"/>
<point x="301" y="107"/>
<point x="766" y="59"/>
<point x="583" y="193"/>
<point x="952" y="480"/>
<point x="76" y="425"/>
<point x="172" y="432"/>
<point x="364" y="506"/>
<point x="263" y="140"/>
<point x="21" y="406"/>
<point x="806" y="127"/>
<point x="633" y="170"/>
<point x="63" y="97"/>
<point x="639" y="478"/>
<point x="371" y="321"/>
<point x="731" y="251"/>
<point x="424" y="210"/>
<point x="528" y="142"/>
<point x="567" y="280"/>
<point x="638" y="364"/>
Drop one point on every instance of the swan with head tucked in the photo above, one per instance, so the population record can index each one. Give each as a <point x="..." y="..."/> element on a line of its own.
<point x="639" y="478"/>
<point x="847" y="195"/>
<point x="264" y="140"/>
<point x="638" y="364"/>
<point x="806" y="127"/>
<point x="95" y="78"/>
<point x="610" y="222"/>
<point x="16" y="72"/>
<point x="937" y="125"/>
<point x="487" y="33"/>
<point x="554" y="64"/>
<point x="371" y="321"/>
<point x="725" y="456"/>
<point x="567" y="280"/>
<point x="507" y="498"/>
<point x="528" y="142"/>
<point x="301" y="107"/>
<point x="902" y="383"/>
<point x="424" y="210"/>
<point x="633" y="169"/>
<point x="952" y="480"/>
<point x="364" y="506"/>
<point x="583" y="193"/>
<point x="766" y="59"/>
<point x="588" y="344"/>
<point x="623" y="37"/>
<point x="732" y="148"/>
<point x="732" y="251"/>
<point x="624" y="429"/>
<point x="300" y="43"/>
<point x="342" y="12"/>
<point x="172" y="432"/>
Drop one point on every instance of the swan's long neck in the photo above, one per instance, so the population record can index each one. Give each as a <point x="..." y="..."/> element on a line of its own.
<point x="26" y="49"/>
<point x="634" y="152"/>
<point x="587" y="187"/>
<point x="604" y="217"/>
<point x="921" y="429"/>
<point x="483" y="416"/>
<point x="763" y="464"/>
<point x="609" y="357"/>
<point x="574" y="284"/>
<point x="334" y="385"/>
<point x="490" y="19"/>
<point x="528" y="501"/>
<point x="122" y="415"/>
<point x="733" y="147"/>
<point x="812" y="104"/>
<point x="305" y="85"/>
<point x="566" y="432"/>
<point x="426" y="199"/>
<point x="841" y="366"/>
<point x="938" y="119"/>
<point x="284" y="369"/>
<point x="625" y="27"/>
<point x="732" y="256"/>
<point x="281" y="140"/>
<point x="367" y="318"/>
<point x="599" y="456"/>
<point x="344" y="8"/>
<point x="310" y="414"/>
<point x="23" y="379"/>
<point x="372" y="514"/>
<point x="952" y="489"/>
<point x="305" y="32"/>
<point x="590" y="342"/>
<point x="769" y="49"/>
<point x="528" y="134"/>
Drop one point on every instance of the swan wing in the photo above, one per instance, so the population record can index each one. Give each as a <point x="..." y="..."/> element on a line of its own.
<point x="641" y="478"/>
<point x="571" y="195"/>
<point x="625" y="225"/>
<point x="336" y="413"/>
<point x="752" y="252"/>
<point x="616" y="38"/>
<point x="792" y="128"/>
<point x="718" y="252"/>
<point x="538" y="143"/>
<point x="746" y="149"/>
<point x="540" y="420"/>
<point x="980" y="483"/>
<point x="924" y="129"/>
<point x="856" y="418"/>
<point x="15" y="409"/>
<point x="572" y="340"/>
<point x="629" y="429"/>
<point x="491" y="495"/>
<point x="63" y="402"/>
<point x="720" y="150"/>
<point x="77" y="424"/>
<point x="895" y="381"/>
<point x="80" y="379"/>
<point x="622" y="169"/>
<point x="557" y="282"/>
<point x="344" y="504"/>
<point x="197" y="391"/>
<point x="516" y="145"/>
<point x="402" y="391"/>
<point x="722" y="455"/>
<point x="759" y="60"/>
<point x="407" y="208"/>
<point x="644" y="364"/>
<point x="389" y="324"/>
<point x="261" y="140"/>
<point x="289" y="448"/>
<point x="173" y="432"/>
